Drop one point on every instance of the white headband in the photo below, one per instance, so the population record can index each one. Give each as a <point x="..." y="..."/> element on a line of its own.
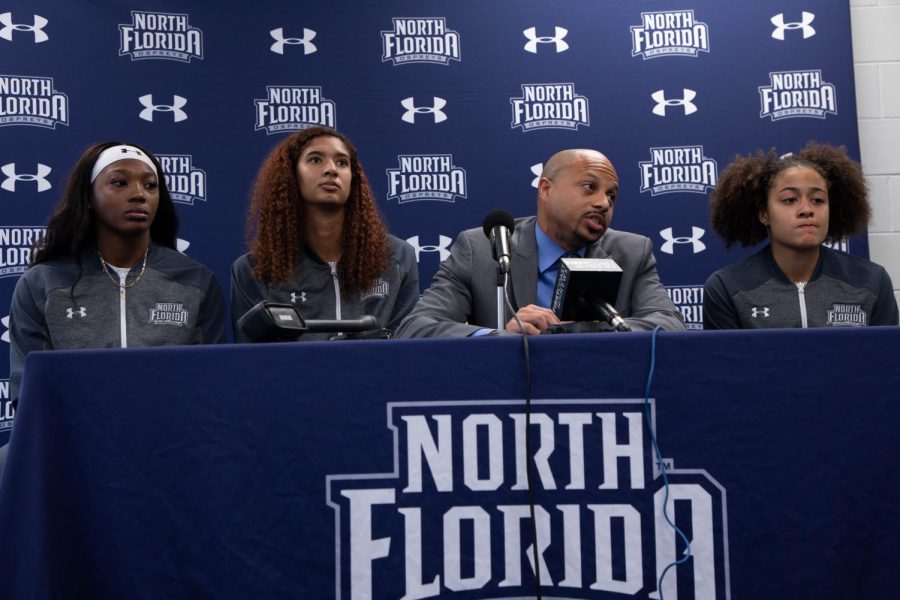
<point x="117" y="153"/>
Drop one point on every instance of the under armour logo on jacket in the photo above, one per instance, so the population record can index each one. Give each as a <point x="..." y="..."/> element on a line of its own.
<point x="435" y="109"/>
<point x="685" y="102"/>
<point x="175" y="108"/>
<point x="533" y="40"/>
<point x="301" y="297"/>
<point x="6" y="32"/>
<point x="9" y="184"/>
<point x="756" y="312"/>
<point x="71" y="312"/>
<point x="804" y="24"/>
<point x="281" y="41"/>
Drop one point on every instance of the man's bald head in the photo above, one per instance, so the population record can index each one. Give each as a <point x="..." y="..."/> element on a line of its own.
<point x="566" y="158"/>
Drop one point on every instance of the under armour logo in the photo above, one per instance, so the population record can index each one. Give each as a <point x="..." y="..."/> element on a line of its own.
<point x="175" y="108"/>
<point x="305" y="41"/>
<point x="536" y="170"/>
<point x="685" y="101"/>
<point x="411" y="109"/>
<point x="81" y="312"/>
<point x="301" y="297"/>
<point x="5" y="322"/>
<point x="804" y="24"/>
<point x="534" y="40"/>
<point x="9" y="184"/>
<point x="182" y="245"/>
<point x="6" y="32"/>
<point x="669" y="245"/>
<point x="760" y="312"/>
<point x="443" y="246"/>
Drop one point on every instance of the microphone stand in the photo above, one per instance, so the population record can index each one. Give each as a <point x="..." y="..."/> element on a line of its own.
<point x="502" y="277"/>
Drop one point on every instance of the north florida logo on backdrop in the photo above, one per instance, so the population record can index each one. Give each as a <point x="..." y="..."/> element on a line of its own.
<point x="426" y="177"/>
<point x="165" y="36"/>
<point x="689" y="300"/>
<point x="32" y="100"/>
<point x="453" y="515"/>
<point x="792" y="94"/>
<point x="186" y="182"/>
<point x="420" y="40"/>
<point x="549" y="106"/>
<point x="292" y="108"/>
<point x="678" y="169"/>
<point x="6" y="411"/>
<point x="15" y="248"/>
<point x="669" y="33"/>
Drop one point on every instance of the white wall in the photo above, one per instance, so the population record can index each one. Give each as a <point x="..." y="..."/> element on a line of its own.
<point x="876" y="58"/>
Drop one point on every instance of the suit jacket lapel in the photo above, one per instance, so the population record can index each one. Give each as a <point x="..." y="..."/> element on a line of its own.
<point x="524" y="266"/>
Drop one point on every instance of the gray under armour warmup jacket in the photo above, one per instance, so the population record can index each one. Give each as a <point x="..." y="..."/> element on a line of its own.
<point x="314" y="290"/>
<point x="844" y="291"/>
<point x="176" y="301"/>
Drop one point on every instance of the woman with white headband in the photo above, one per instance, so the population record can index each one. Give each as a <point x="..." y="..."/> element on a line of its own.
<point x="107" y="274"/>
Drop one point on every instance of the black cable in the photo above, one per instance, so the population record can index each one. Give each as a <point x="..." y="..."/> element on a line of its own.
<point x="528" y="461"/>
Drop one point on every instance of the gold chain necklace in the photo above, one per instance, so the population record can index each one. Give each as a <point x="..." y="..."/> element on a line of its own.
<point x="119" y="283"/>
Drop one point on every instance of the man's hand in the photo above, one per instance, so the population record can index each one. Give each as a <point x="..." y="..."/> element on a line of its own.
<point x="534" y="318"/>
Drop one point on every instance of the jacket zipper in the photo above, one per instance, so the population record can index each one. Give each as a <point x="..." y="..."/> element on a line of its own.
<point x="802" y="297"/>
<point x="122" y="318"/>
<point x="337" y="290"/>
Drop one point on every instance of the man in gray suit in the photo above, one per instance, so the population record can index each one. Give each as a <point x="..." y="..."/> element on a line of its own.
<point x="576" y="195"/>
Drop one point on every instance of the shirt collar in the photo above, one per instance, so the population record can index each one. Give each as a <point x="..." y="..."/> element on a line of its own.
<point x="548" y="250"/>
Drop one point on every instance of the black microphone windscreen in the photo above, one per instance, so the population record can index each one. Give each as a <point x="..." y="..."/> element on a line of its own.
<point x="582" y="281"/>
<point x="498" y="217"/>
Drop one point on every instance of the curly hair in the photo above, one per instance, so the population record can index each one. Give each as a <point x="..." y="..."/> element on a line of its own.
<point x="743" y="187"/>
<point x="275" y="218"/>
<point x="72" y="225"/>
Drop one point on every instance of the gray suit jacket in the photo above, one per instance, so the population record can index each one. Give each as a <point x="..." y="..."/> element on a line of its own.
<point x="463" y="295"/>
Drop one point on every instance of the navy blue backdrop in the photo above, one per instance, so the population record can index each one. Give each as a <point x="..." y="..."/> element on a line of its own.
<point x="453" y="106"/>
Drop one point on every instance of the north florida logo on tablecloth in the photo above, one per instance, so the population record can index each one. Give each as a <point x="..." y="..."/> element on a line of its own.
<point x="186" y="182"/>
<point x="669" y="33"/>
<point x="689" y="300"/>
<point x="792" y="94"/>
<point x="165" y="36"/>
<point x="27" y="100"/>
<point x="420" y="40"/>
<point x="678" y="169"/>
<point x="452" y="517"/>
<point x="292" y="108"/>
<point x="426" y="177"/>
<point x="549" y="106"/>
<point x="16" y="244"/>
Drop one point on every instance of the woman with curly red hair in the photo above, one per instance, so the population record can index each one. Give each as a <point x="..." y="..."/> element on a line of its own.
<point x="317" y="240"/>
<point x="797" y="202"/>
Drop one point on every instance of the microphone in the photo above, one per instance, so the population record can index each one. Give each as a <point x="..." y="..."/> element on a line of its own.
<point x="498" y="226"/>
<point x="275" y="322"/>
<point x="585" y="289"/>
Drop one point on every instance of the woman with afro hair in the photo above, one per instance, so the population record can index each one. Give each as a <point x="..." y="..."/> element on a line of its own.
<point x="797" y="202"/>
<point x="317" y="240"/>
